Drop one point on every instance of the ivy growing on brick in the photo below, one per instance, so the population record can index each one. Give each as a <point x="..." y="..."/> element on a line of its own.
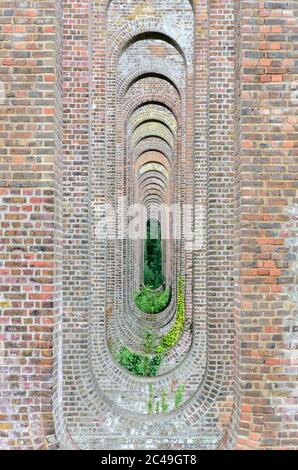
<point x="172" y="337"/>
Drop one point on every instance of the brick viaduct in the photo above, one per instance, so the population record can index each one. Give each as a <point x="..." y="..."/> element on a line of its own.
<point x="177" y="102"/>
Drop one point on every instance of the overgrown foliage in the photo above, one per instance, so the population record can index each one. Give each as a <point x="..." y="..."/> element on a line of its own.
<point x="172" y="337"/>
<point x="148" y="365"/>
<point x="139" y="364"/>
<point x="152" y="302"/>
<point x="153" y="277"/>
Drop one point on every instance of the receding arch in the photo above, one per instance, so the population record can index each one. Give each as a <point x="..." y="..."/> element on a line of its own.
<point x="154" y="191"/>
<point x="154" y="136"/>
<point x="153" y="113"/>
<point x="152" y="181"/>
<point x="149" y="102"/>
<point x="157" y="121"/>
<point x="152" y="75"/>
<point x="147" y="129"/>
<point x="110" y="147"/>
<point x="153" y="198"/>
<point x="153" y="35"/>
<point x="152" y="174"/>
<point x="153" y="165"/>
<point x="143" y="154"/>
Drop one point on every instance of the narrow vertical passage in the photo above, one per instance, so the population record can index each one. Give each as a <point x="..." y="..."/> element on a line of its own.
<point x="150" y="143"/>
<point x="149" y="367"/>
<point x="147" y="358"/>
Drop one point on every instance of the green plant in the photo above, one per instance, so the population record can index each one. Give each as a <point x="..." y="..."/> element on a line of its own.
<point x="153" y="277"/>
<point x="155" y="364"/>
<point x="179" y="395"/>
<point x="139" y="364"/>
<point x="151" y="398"/>
<point x="152" y="302"/>
<point x="164" y="403"/>
<point x="172" y="337"/>
<point x="163" y="406"/>
<point x="149" y="342"/>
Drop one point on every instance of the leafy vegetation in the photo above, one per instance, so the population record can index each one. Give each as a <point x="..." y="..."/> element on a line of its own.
<point x="172" y="337"/>
<point x="151" y="399"/>
<point x="153" y="277"/>
<point x="148" y="299"/>
<point x="179" y="395"/>
<point x="150" y="342"/>
<point x="139" y="364"/>
<point x="152" y="302"/>
<point x="147" y="365"/>
<point x="164" y="403"/>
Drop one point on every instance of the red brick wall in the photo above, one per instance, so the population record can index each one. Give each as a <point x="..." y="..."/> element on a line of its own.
<point x="265" y="413"/>
<point x="29" y="168"/>
<point x="251" y="289"/>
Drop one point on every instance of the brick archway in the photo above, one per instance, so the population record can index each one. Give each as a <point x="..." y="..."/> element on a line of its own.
<point x="189" y="102"/>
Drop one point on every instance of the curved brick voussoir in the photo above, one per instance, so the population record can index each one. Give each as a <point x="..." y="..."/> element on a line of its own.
<point x="152" y="112"/>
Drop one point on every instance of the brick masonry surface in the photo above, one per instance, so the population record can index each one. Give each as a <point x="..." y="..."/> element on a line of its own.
<point x="158" y="101"/>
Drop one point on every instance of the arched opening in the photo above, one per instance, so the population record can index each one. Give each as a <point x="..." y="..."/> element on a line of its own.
<point x="153" y="297"/>
<point x="153" y="274"/>
<point x="143" y="90"/>
<point x="149" y="111"/>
